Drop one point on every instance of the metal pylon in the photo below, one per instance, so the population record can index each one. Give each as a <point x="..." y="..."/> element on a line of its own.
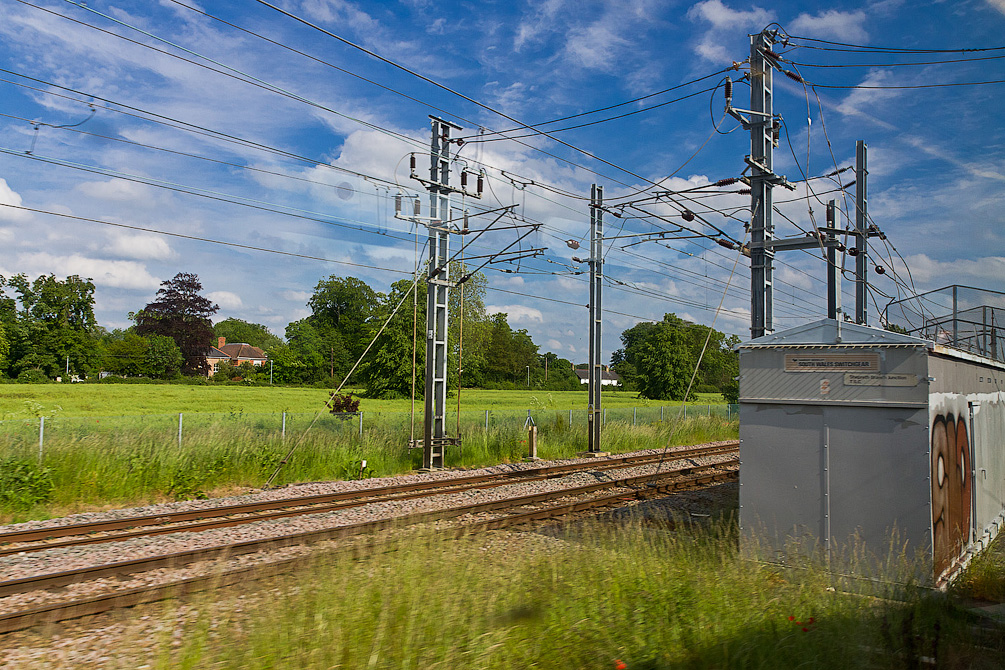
<point x="437" y="293"/>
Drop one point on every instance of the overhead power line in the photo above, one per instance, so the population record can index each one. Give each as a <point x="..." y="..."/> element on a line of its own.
<point x="906" y="50"/>
<point x="202" y="239"/>
<point x="904" y="87"/>
<point x="467" y="98"/>
<point x="271" y="251"/>
<point x="881" y="65"/>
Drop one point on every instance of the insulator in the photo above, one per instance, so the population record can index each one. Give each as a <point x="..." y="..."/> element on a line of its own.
<point x="417" y="207"/>
<point x="725" y="243"/>
<point x="744" y="191"/>
<point x="727" y="181"/>
<point x="465" y="221"/>
<point x="397" y="203"/>
<point x="460" y="142"/>
<point x="793" y="76"/>
<point x="687" y="215"/>
<point x="464" y="178"/>
<point x="412" y="161"/>
<point x="729" y="89"/>
<point x="853" y="251"/>
<point x="480" y="183"/>
<point x="840" y="247"/>
<point x="771" y="53"/>
<point x="615" y="214"/>
<point x="880" y="270"/>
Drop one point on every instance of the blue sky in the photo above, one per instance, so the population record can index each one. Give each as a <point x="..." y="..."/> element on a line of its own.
<point x="936" y="155"/>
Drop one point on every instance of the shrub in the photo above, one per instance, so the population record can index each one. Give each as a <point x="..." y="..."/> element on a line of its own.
<point x="24" y="484"/>
<point x="32" y="376"/>
<point x="343" y="403"/>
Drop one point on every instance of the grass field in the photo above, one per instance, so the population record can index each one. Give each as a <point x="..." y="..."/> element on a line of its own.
<point x="89" y="400"/>
<point x="121" y="445"/>
<point x="627" y="596"/>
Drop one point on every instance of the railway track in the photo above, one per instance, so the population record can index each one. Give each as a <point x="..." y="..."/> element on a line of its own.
<point x="503" y="513"/>
<point x="97" y="532"/>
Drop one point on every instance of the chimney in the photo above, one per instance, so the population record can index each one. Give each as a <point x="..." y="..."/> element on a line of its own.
<point x="221" y="342"/>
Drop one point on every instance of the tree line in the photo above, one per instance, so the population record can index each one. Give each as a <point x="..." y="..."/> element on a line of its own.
<point x="48" y="330"/>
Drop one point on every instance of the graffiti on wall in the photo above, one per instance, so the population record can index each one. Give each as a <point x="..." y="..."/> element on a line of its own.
<point x="952" y="488"/>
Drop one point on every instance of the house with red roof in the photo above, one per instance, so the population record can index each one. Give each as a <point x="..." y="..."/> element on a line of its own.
<point x="235" y="354"/>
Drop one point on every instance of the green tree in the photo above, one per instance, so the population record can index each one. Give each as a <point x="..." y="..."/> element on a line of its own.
<point x="287" y="367"/>
<point x="665" y="364"/>
<point x="670" y="345"/>
<point x="4" y="348"/>
<point x="469" y="327"/>
<point x="510" y="352"/>
<point x="561" y="374"/>
<point x="247" y="371"/>
<point x="387" y="371"/>
<point x="225" y="371"/>
<point x="347" y="306"/>
<point x="130" y="355"/>
<point x="50" y="325"/>
<point x="123" y="353"/>
<point x="163" y="358"/>
<point x="304" y="358"/>
<point x="179" y="312"/>
<point x="255" y="334"/>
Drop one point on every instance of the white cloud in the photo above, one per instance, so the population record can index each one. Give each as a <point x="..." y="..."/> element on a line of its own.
<point x="596" y="47"/>
<point x="117" y="190"/>
<point x="115" y="274"/>
<point x="712" y="45"/>
<point x="976" y="272"/>
<point x="516" y="313"/>
<point x="142" y="247"/>
<point x="10" y="197"/>
<point x="833" y="24"/>
<point x="508" y="280"/>
<point x="297" y="296"/>
<point x="542" y="21"/>
<point x="998" y="4"/>
<point x="226" y="299"/>
<point x="721" y="16"/>
<point x="862" y="99"/>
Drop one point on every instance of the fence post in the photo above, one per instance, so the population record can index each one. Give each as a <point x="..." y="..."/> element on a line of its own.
<point x="709" y="409"/>
<point x="605" y="417"/>
<point x="635" y="413"/>
<point x="361" y="425"/>
<point x="728" y="408"/>
<point x="179" y="429"/>
<point x="486" y="421"/>
<point x="570" y="418"/>
<point x="41" y="437"/>
<point x="661" y="415"/>
<point x="284" y="426"/>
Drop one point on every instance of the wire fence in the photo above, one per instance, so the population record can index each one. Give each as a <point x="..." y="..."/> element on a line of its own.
<point x="165" y="430"/>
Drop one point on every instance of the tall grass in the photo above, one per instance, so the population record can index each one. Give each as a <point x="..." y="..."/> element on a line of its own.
<point x="638" y="594"/>
<point x="94" y="463"/>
